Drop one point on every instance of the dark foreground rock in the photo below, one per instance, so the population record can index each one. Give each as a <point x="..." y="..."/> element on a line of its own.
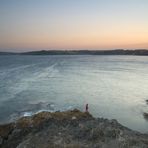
<point x="70" y="129"/>
<point x="145" y="115"/>
<point x="147" y="102"/>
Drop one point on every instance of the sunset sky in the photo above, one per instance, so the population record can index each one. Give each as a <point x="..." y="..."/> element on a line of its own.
<point x="73" y="24"/>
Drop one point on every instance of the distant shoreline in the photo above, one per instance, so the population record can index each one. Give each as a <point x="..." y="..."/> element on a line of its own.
<point x="137" y="52"/>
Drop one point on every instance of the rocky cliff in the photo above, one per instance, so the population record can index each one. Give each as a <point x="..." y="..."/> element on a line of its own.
<point x="70" y="129"/>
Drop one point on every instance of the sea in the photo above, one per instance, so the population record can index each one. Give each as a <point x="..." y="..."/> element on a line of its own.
<point x="114" y="87"/>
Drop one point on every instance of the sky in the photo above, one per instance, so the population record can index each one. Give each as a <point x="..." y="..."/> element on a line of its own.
<point x="73" y="24"/>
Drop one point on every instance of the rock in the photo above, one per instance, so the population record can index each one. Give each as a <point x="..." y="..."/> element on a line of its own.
<point x="112" y="133"/>
<point x="73" y="129"/>
<point x="97" y="133"/>
<point x="73" y="118"/>
<point x="1" y="141"/>
<point x="113" y="122"/>
<point x="5" y="130"/>
<point x="145" y="115"/>
<point x="24" y="122"/>
<point x="81" y="125"/>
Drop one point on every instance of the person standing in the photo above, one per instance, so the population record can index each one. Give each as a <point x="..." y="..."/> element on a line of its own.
<point x="86" y="108"/>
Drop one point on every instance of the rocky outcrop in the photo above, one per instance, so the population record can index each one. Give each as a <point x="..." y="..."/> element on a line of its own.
<point x="70" y="129"/>
<point x="145" y="115"/>
<point x="147" y="102"/>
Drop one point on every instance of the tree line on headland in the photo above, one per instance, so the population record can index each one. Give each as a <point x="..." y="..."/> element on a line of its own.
<point x="140" y="52"/>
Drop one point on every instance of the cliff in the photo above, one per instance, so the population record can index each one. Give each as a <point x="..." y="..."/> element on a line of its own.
<point x="69" y="129"/>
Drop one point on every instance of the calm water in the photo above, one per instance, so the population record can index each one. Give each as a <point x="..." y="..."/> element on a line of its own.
<point x="113" y="86"/>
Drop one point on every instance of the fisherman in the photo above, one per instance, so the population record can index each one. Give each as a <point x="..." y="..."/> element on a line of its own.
<point x="86" y="108"/>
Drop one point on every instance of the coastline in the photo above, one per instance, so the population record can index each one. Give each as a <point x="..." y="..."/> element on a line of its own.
<point x="134" y="52"/>
<point x="69" y="129"/>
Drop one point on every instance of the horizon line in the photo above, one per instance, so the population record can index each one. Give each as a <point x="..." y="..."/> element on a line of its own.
<point x="126" y="49"/>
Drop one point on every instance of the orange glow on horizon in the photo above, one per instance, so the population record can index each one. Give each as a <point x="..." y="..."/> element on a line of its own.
<point x="92" y="25"/>
<point x="82" y="36"/>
